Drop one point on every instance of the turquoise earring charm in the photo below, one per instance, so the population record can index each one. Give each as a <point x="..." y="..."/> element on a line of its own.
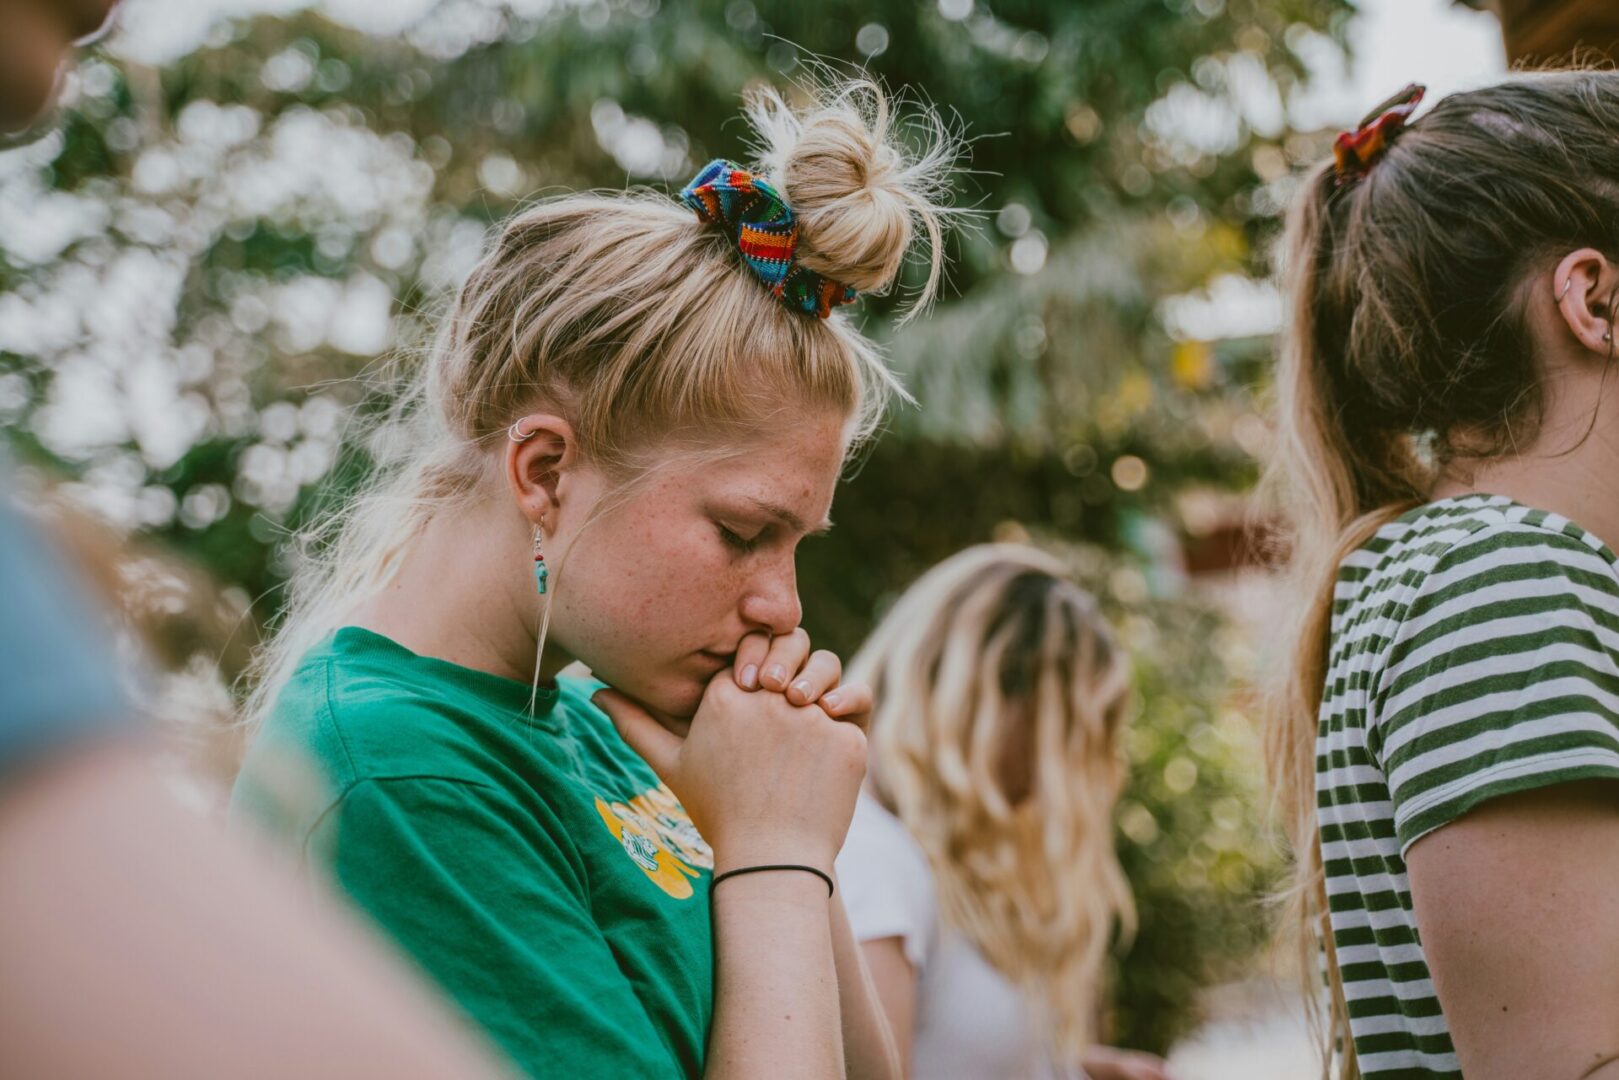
<point x="542" y="573"/>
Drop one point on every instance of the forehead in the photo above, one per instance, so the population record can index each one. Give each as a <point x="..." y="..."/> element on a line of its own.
<point x="788" y="470"/>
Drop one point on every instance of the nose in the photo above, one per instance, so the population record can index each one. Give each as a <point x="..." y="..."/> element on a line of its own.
<point x="771" y="600"/>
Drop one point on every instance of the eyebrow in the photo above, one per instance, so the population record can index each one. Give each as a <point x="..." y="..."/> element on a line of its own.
<point x="790" y="519"/>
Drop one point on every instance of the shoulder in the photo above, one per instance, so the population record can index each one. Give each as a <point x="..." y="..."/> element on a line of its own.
<point x="1499" y="669"/>
<point x="375" y="723"/>
<point x="877" y="836"/>
<point x="1518" y="586"/>
<point x="886" y="881"/>
<point x="338" y="724"/>
<point x="1511" y="565"/>
<point x="1442" y="563"/>
<point x="1543" y="544"/>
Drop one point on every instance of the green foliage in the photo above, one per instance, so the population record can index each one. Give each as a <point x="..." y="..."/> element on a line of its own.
<point x="1189" y="843"/>
<point x="242" y="207"/>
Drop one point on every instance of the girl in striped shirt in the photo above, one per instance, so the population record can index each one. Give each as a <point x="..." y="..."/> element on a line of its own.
<point x="1446" y="737"/>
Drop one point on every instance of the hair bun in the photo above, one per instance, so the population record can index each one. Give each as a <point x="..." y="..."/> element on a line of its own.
<point x="859" y="196"/>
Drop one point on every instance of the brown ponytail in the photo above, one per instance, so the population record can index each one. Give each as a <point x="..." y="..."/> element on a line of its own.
<point x="1407" y="347"/>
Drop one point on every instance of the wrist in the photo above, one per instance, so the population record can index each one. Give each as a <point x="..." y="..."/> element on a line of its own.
<point x="775" y="868"/>
<point x="777" y="888"/>
<point x="783" y="852"/>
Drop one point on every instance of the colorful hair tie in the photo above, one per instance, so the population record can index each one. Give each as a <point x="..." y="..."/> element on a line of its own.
<point x="765" y="231"/>
<point x="1357" y="151"/>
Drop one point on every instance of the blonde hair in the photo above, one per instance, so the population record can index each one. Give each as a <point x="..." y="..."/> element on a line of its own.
<point x="643" y="327"/>
<point x="1407" y="347"/>
<point x="997" y="636"/>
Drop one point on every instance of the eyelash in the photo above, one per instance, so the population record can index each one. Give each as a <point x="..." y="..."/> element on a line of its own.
<point x="739" y="543"/>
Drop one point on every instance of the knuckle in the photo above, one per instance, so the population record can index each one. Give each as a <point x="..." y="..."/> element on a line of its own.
<point x="721" y="690"/>
<point x="849" y="741"/>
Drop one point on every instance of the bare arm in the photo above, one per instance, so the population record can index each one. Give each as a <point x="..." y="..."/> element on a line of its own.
<point x="894" y="981"/>
<point x="868" y="1039"/>
<point x="141" y="941"/>
<point x="1519" y="916"/>
<point x="776" y="992"/>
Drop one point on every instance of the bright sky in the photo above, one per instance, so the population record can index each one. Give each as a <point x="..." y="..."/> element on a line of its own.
<point x="1439" y="43"/>
<point x="1436" y="42"/>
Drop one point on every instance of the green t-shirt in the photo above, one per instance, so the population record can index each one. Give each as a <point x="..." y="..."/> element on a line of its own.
<point x="535" y="867"/>
<point x="1474" y="653"/>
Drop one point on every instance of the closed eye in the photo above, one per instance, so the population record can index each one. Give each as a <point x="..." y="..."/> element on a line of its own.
<point x="743" y="544"/>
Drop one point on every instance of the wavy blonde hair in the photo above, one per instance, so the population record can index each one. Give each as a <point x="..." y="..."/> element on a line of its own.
<point x="995" y="637"/>
<point x="642" y="326"/>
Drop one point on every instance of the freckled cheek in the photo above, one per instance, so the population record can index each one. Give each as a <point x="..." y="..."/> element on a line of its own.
<point x="667" y="598"/>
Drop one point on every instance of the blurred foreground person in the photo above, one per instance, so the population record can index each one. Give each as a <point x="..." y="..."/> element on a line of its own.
<point x="137" y="940"/>
<point x="979" y="871"/>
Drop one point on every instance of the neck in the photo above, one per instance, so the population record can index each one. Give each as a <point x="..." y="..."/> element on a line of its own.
<point x="1572" y="468"/>
<point x="457" y="596"/>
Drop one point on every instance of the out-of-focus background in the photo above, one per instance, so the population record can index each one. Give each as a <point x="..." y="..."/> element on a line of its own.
<point x="248" y="206"/>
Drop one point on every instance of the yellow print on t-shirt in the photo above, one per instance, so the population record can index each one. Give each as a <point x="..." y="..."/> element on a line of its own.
<point x="659" y="838"/>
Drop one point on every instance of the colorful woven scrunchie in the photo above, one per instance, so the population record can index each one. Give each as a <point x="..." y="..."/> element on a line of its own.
<point x="765" y="231"/>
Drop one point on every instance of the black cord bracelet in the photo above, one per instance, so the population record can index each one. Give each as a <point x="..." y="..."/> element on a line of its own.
<point x="822" y="874"/>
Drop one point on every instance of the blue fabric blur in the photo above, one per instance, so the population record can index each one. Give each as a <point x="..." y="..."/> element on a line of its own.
<point x="58" y="682"/>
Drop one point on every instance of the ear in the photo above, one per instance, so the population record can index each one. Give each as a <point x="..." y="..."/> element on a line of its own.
<point x="1584" y="285"/>
<point x="539" y="449"/>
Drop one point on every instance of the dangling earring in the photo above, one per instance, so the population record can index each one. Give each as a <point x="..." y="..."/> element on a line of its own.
<point x="542" y="573"/>
<point x="542" y="582"/>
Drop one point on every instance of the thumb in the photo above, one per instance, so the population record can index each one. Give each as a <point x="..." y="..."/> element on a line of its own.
<point x="656" y="744"/>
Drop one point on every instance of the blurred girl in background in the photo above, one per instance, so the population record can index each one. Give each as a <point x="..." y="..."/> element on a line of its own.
<point x="979" y="871"/>
<point x="639" y="407"/>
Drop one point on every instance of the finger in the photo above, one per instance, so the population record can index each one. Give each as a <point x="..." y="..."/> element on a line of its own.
<point x="787" y="655"/>
<point x="750" y="658"/>
<point x="851" y="702"/>
<point x="820" y="674"/>
<point x="658" y="746"/>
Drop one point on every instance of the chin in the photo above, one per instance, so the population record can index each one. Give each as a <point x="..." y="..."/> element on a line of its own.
<point x="678" y="698"/>
<point x="674" y="695"/>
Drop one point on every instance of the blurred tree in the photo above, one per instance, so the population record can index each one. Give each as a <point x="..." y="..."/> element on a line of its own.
<point x="234" y="219"/>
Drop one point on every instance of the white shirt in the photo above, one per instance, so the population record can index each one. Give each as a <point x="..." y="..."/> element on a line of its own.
<point x="971" y="1023"/>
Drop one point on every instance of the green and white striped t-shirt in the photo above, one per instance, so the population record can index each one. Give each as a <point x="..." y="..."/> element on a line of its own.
<point x="1474" y="653"/>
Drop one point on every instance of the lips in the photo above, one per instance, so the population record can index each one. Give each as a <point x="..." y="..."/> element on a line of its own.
<point x="715" y="661"/>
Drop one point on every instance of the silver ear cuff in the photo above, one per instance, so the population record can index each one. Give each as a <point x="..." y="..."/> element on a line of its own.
<point x="516" y="433"/>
